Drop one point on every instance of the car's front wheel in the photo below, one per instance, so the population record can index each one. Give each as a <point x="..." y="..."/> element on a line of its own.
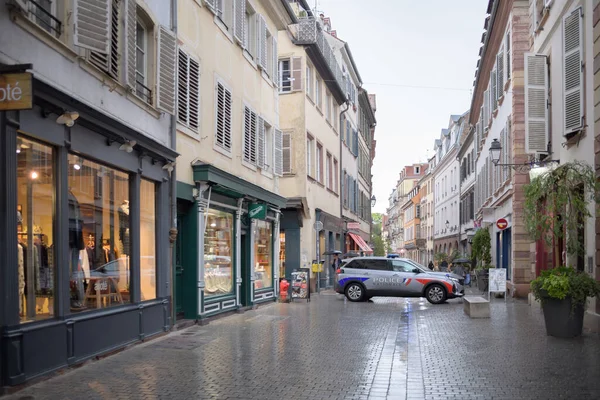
<point x="355" y="292"/>
<point x="435" y="294"/>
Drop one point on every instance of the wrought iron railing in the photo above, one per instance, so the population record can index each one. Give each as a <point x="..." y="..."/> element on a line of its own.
<point x="143" y="92"/>
<point x="308" y="31"/>
<point x="42" y="15"/>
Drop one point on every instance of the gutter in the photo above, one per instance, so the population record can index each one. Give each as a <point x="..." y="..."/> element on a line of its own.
<point x="353" y="63"/>
<point x="173" y="182"/>
<point x="290" y="11"/>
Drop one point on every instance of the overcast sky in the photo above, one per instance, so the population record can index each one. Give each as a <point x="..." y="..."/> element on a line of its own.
<point x="419" y="58"/>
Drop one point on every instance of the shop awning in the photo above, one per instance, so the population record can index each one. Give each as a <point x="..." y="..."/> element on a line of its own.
<point x="360" y="242"/>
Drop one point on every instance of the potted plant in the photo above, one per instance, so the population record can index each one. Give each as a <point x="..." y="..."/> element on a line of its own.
<point x="555" y="210"/>
<point x="563" y="292"/>
<point x="481" y="253"/>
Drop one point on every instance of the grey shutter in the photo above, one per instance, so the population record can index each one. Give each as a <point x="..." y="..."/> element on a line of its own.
<point x="212" y="5"/>
<point x="536" y="110"/>
<point x="224" y="115"/>
<point x="507" y="50"/>
<point x="296" y="68"/>
<point x="194" y="94"/>
<point x="573" y="72"/>
<point x="239" y="20"/>
<point x="275" y="76"/>
<point x="183" y="88"/>
<point x="278" y="150"/>
<point x="130" y="24"/>
<point x="486" y="111"/>
<point x="494" y="94"/>
<point x="261" y="140"/>
<point x="287" y="153"/>
<point x="167" y="69"/>
<point x="500" y="73"/>
<point x="92" y="24"/>
<point x="262" y="40"/>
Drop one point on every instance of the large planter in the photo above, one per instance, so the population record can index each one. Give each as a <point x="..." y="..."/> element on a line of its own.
<point x="562" y="320"/>
<point x="482" y="279"/>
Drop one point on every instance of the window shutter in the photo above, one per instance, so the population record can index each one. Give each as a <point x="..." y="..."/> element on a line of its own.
<point x="130" y="23"/>
<point x="536" y="110"/>
<point x="275" y="75"/>
<point x="212" y="5"/>
<point x="355" y="142"/>
<point x="476" y="142"/>
<point x="348" y="134"/>
<point x="239" y="20"/>
<point x="183" y="88"/>
<point x="167" y="66"/>
<point x="486" y="112"/>
<point x="278" y="157"/>
<point x="507" y="47"/>
<point x="223" y="128"/>
<point x="249" y="136"/>
<point x="573" y="72"/>
<point x="296" y="68"/>
<point x="494" y="94"/>
<point x="500" y="73"/>
<point x="286" y="153"/>
<point x="92" y="24"/>
<point x="261" y="140"/>
<point x="194" y="94"/>
<point x="262" y="39"/>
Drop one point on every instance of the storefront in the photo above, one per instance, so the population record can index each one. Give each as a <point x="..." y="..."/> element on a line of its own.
<point x="330" y="238"/>
<point x="292" y="216"/>
<point x="228" y="244"/>
<point x="85" y="222"/>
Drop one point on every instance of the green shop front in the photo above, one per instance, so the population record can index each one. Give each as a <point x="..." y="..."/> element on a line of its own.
<point x="226" y="256"/>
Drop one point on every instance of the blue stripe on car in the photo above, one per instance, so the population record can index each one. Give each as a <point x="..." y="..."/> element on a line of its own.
<point x="342" y="282"/>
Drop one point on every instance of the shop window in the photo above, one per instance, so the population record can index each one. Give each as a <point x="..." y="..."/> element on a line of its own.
<point x="218" y="253"/>
<point x="147" y="240"/>
<point x="35" y="228"/>
<point x="99" y="235"/>
<point x="282" y="254"/>
<point x="263" y="254"/>
<point x="143" y="44"/>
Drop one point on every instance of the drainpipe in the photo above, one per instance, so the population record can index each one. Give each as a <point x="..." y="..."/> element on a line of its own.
<point x="173" y="230"/>
<point x="341" y="172"/>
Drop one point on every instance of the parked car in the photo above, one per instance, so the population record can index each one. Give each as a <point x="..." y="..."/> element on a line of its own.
<point x="364" y="277"/>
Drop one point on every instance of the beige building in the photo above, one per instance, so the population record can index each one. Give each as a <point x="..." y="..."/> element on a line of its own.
<point x="426" y="212"/>
<point x="311" y="93"/>
<point x="231" y="150"/>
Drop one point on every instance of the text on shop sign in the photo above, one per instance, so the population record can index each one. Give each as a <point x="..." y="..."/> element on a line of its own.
<point x="15" y="92"/>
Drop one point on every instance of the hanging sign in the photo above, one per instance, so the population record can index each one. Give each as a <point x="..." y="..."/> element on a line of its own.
<point x="16" y="92"/>
<point x="502" y="224"/>
<point x="353" y="226"/>
<point x="257" y="211"/>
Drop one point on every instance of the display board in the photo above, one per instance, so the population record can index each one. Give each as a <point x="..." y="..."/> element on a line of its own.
<point x="301" y="284"/>
<point x="497" y="280"/>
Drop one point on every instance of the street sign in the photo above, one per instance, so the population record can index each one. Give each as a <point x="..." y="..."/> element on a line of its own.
<point x="16" y="92"/>
<point x="318" y="226"/>
<point x="257" y="211"/>
<point x="502" y="224"/>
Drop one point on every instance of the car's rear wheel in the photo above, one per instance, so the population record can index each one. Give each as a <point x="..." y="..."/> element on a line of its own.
<point x="435" y="294"/>
<point x="355" y="292"/>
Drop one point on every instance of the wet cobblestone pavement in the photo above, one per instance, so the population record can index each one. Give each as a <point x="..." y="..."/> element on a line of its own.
<point x="334" y="349"/>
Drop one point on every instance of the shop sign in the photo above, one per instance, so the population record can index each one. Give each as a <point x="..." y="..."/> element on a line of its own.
<point x="16" y="92"/>
<point x="257" y="211"/>
<point x="353" y="226"/>
<point x="502" y="224"/>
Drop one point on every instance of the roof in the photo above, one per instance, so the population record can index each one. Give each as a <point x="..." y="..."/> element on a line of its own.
<point x="455" y="117"/>
<point x="438" y="143"/>
<point x="446" y="132"/>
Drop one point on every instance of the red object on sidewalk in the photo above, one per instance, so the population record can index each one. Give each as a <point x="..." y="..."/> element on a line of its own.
<point x="284" y="285"/>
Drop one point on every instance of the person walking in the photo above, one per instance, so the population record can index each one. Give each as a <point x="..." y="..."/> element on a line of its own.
<point x="430" y="265"/>
<point x="335" y="264"/>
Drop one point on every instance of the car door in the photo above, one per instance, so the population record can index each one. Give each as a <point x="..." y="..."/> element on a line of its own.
<point x="379" y="272"/>
<point x="404" y="273"/>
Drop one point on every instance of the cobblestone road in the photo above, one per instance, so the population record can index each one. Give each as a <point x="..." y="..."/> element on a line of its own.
<point x="333" y="349"/>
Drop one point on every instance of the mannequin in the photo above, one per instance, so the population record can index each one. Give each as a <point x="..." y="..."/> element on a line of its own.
<point x="124" y="226"/>
<point x="76" y="244"/>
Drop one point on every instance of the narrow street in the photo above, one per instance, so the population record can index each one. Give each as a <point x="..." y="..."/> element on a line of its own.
<point x="333" y="349"/>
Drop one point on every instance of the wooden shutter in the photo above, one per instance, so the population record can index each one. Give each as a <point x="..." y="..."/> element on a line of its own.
<point x="287" y="152"/>
<point x="278" y="150"/>
<point x="296" y="69"/>
<point x="476" y="141"/>
<point x="500" y="74"/>
<point x="224" y="115"/>
<point x="130" y="25"/>
<point x="261" y="140"/>
<point x="239" y="19"/>
<point x="494" y="94"/>
<point x="249" y="136"/>
<point x="536" y="110"/>
<point x="573" y="72"/>
<point x="262" y="42"/>
<point x="167" y="69"/>
<point x="92" y="24"/>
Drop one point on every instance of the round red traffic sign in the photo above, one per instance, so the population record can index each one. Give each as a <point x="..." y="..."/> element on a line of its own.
<point x="502" y="224"/>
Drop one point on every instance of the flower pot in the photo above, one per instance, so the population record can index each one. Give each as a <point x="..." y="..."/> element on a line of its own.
<point x="561" y="319"/>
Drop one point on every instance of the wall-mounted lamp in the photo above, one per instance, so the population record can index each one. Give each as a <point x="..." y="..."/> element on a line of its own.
<point x="373" y="201"/>
<point x="78" y="164"/>
<point x="68" y="118"/>
<point x="496" y="151"/>
<point x="128" y="146"/>
<point x="169" y="166"/>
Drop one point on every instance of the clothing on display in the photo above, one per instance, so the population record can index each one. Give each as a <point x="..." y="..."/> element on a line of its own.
<point x="124" y="226"/>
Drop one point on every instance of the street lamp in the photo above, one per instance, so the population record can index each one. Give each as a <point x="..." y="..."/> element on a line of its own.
<point x="447" y="224"/>
<point x="496" y="151"/>
<point x="373" y="201"/>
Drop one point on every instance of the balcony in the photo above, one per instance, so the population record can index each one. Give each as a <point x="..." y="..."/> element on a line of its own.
<point x="309" y="32"/>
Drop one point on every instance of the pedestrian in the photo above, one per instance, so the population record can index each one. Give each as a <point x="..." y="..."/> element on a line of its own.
<point x="335" y="264"/>
<point x="430" y="265"/>
<point x="444" y="266"/>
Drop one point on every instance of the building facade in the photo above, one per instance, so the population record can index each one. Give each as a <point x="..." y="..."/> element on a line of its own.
<point x="447" y="187"/>
<point x="86" y="210"/>
<point x="466" y="156"/>
<point x="231" y="142"/>
<point x="413" y="240"/>
<point x="427" y="208"/>
<point x="593" y="323"/>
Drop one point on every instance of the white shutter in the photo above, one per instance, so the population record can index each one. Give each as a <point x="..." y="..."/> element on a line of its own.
<point x="130" y="29"/>
<point x="224" y="116"/>
<point x="286" y="153"/>
<point x="573" y="72"/>
<point x="167" y="70"/>
<point x="239" y="20"/>
<point x="194" y="94"/>
<point x="212" y="5"/>
<point x="92" y="24"/>
<point x="275" y="75"/>
<point x="500" y="74"/>
<point x="486" y="110"/>
<point x="262" y="41"/>
<point x="278" y="150"/>
<point x="261" y="140"/>
<point x="183" y="88"/>
<point x="249" y="136"/>
<point x="494" y="94"/>
<point x="536" y="110"/>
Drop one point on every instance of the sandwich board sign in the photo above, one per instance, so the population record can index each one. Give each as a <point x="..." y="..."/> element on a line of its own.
<point x="497" y="281"/>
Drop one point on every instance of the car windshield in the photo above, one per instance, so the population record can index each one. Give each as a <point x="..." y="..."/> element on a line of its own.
<point x="417" y="265"/>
